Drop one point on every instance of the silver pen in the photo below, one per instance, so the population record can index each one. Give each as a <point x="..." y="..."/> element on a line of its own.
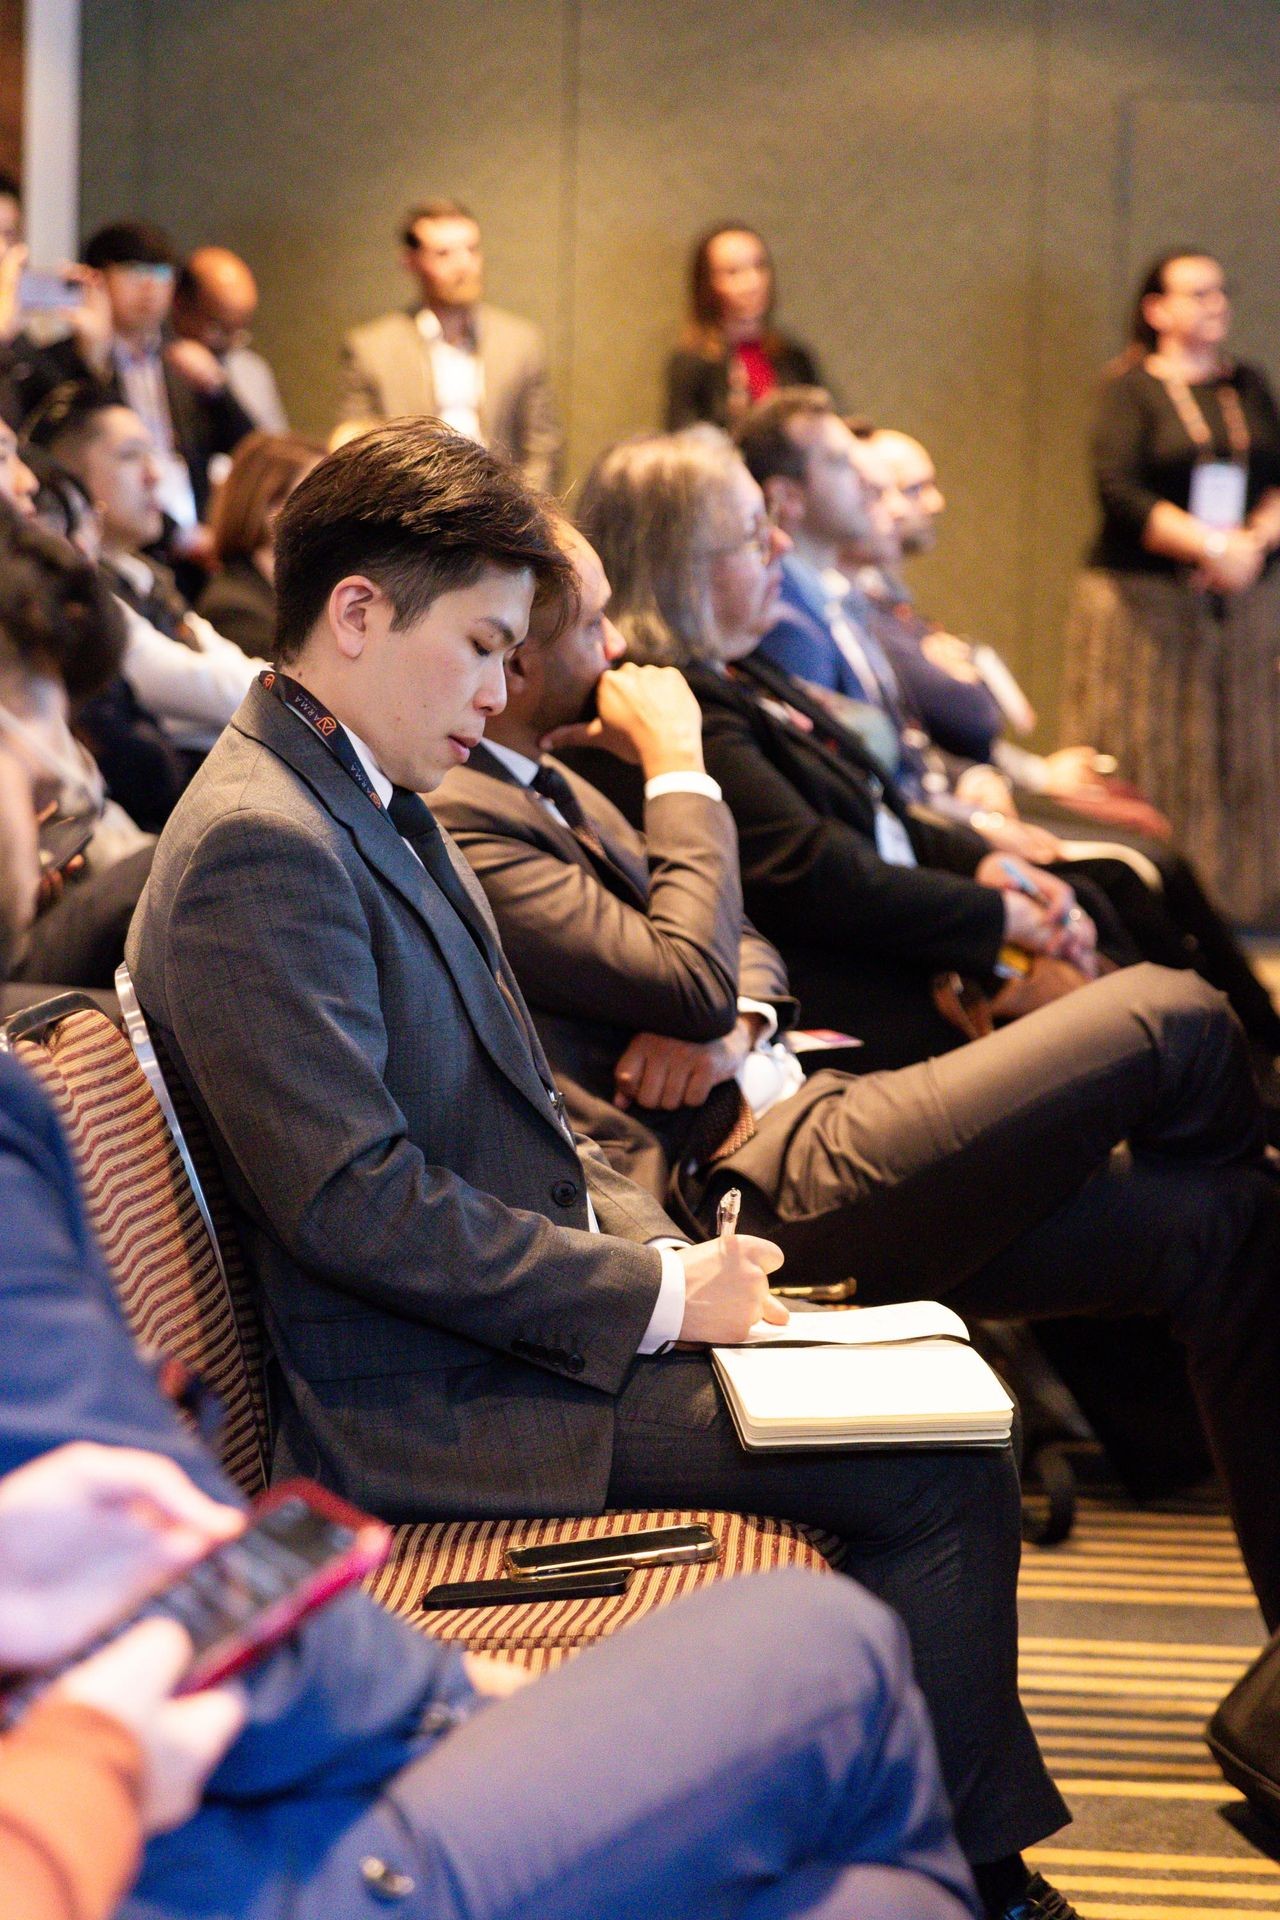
<point x="727" y="1213"/>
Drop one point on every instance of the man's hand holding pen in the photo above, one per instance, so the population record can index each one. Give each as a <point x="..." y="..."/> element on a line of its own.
<point x="727" y="1282"/>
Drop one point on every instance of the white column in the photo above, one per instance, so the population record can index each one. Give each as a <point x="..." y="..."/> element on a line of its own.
<point x="51" y="129"/>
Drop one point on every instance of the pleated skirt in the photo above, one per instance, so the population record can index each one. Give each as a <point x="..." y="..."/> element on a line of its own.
<point x="1183" y="687"/>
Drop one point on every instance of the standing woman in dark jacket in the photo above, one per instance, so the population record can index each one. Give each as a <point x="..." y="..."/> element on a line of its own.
<point x="730" y="354"/>
<point x="1174" y="634"/>
<point x="240" y="600"/>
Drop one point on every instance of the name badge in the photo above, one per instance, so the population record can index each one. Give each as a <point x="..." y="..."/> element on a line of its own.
<point x="1218" y="490"/>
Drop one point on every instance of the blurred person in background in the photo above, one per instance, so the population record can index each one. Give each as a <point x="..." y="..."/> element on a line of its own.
<point x="476" y="367"/>
<point x="240" y="599"/>
<point x="730" y="354"/>
<point x="117" y="339"/>
<point x="214" y="302"/>
<point x="1173" y="636"/>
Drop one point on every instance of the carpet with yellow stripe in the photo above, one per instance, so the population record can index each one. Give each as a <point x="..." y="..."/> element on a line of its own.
<point x="1131" y="1632"/>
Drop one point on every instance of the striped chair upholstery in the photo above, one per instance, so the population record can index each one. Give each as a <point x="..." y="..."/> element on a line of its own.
<point x="180" y="1296"/>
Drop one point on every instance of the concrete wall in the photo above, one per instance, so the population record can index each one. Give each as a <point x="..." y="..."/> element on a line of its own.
<point x="959" y="194"/>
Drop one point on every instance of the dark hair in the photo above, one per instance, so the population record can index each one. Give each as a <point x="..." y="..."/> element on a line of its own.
<point x="130" y="243"/>
<point x="67" y="417"/>
<point x="432" y="210"/>
<point x="422" y="511"/>
<point x="62" y="501"/>
<point x="763" y="440"/>
<point x="704" y="331"/>
<point x="57" y="614"/>
<point x="1142" y="335"/>
<point x="9" y="187"/>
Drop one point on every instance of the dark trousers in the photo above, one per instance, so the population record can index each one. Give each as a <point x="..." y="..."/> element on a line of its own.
<point x="936" y="1533"/>
<point x="758" y="1751"/>
<point x="990" y="1177"/>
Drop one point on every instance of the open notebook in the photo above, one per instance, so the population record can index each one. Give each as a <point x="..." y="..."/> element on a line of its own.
<point x="869" y="1376"/>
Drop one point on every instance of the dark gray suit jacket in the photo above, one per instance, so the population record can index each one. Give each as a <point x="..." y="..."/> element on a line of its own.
<point x="449" y="1335"/>
<point x="599" y="962"/>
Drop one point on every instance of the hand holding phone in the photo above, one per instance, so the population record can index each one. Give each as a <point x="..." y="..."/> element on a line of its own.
<point x="133" y="1681"/>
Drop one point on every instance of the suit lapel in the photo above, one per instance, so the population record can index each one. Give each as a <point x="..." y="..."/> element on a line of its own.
<point x="496" y="1020"/>
<point x="628" y="879"/>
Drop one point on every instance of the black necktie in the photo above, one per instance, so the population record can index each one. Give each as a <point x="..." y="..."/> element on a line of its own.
<point x="414" y="821"/>
<point x="552" y="785"/>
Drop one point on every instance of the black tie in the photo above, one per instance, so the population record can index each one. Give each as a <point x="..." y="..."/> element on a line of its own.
<point x="725" y="1122"/>
<point x="414" y="821"/>
<point x="552" y="785"/>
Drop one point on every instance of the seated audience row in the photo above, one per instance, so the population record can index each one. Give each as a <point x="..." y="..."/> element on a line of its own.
<point x="423" y="1226"/>
<point x="695" y="1764"/>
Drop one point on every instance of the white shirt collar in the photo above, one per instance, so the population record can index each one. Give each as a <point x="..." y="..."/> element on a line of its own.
<point x="428" y="325"/>
<point x="518" y="763"/>
<point x="377" y="778"/>
<point x="133" y="568"/>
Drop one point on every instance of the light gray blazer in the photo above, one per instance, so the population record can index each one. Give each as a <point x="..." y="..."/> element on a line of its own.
<point x="386" y="372"/>
<point x="448" y="1335"/>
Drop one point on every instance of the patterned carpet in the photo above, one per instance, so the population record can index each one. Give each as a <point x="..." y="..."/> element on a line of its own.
<point x="1132" y="1631"/>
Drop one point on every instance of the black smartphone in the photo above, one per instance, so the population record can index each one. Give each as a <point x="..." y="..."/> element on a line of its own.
<point x="653" y="1546"/>
<point x="520" y="1592"/>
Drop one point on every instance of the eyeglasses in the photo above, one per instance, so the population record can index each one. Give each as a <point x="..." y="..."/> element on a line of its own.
<point x="158" y="270"/>
<point x="758" y="535"/>
<point x="67" y="789"/>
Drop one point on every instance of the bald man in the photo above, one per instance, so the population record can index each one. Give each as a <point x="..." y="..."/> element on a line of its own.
<point x="213" y="307"/>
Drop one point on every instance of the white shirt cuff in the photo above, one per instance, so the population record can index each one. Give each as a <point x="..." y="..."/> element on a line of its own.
<point x="690" y="782"/>
<point x="766" y="1013"/>
<point x="667" y="1317"/>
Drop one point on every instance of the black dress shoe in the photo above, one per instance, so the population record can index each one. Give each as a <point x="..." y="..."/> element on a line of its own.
<point x="1039" y="1901"/>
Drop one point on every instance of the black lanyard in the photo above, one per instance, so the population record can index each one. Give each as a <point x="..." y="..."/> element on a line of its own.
<point x="322" y="723"/>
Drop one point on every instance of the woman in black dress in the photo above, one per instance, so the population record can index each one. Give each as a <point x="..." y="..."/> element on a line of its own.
<point x="730" y="353"/>
<point x="1174" y="634"/>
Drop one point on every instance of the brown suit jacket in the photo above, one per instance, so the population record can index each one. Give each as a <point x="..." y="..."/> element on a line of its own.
<point x="664" y="950"/>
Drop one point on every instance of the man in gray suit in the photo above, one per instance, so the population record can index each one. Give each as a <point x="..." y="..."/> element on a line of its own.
<point x="481" y="370"/>
<point x="462" y="1302"/>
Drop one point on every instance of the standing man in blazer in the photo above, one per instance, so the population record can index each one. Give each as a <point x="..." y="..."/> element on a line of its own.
<point x="465" y="1306"/>
<point x="481" y="370"/>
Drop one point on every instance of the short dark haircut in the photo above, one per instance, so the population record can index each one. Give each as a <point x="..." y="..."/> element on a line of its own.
<point x="9" y="187"/>
<point x="67" y="418"/>
<point x="57" y="614"/>
<point x="421" y="511"/>
<point x="130" y="243"/>
<point x="769" y="450"/>
<point x="432" y="210"/>
<point x="62" y="501"/>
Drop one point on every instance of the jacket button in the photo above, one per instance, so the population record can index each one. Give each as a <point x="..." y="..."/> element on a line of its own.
<point x="383" y="1882"/>
<point x="564" y="1192"/>
<point x="573" y="1363"/>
